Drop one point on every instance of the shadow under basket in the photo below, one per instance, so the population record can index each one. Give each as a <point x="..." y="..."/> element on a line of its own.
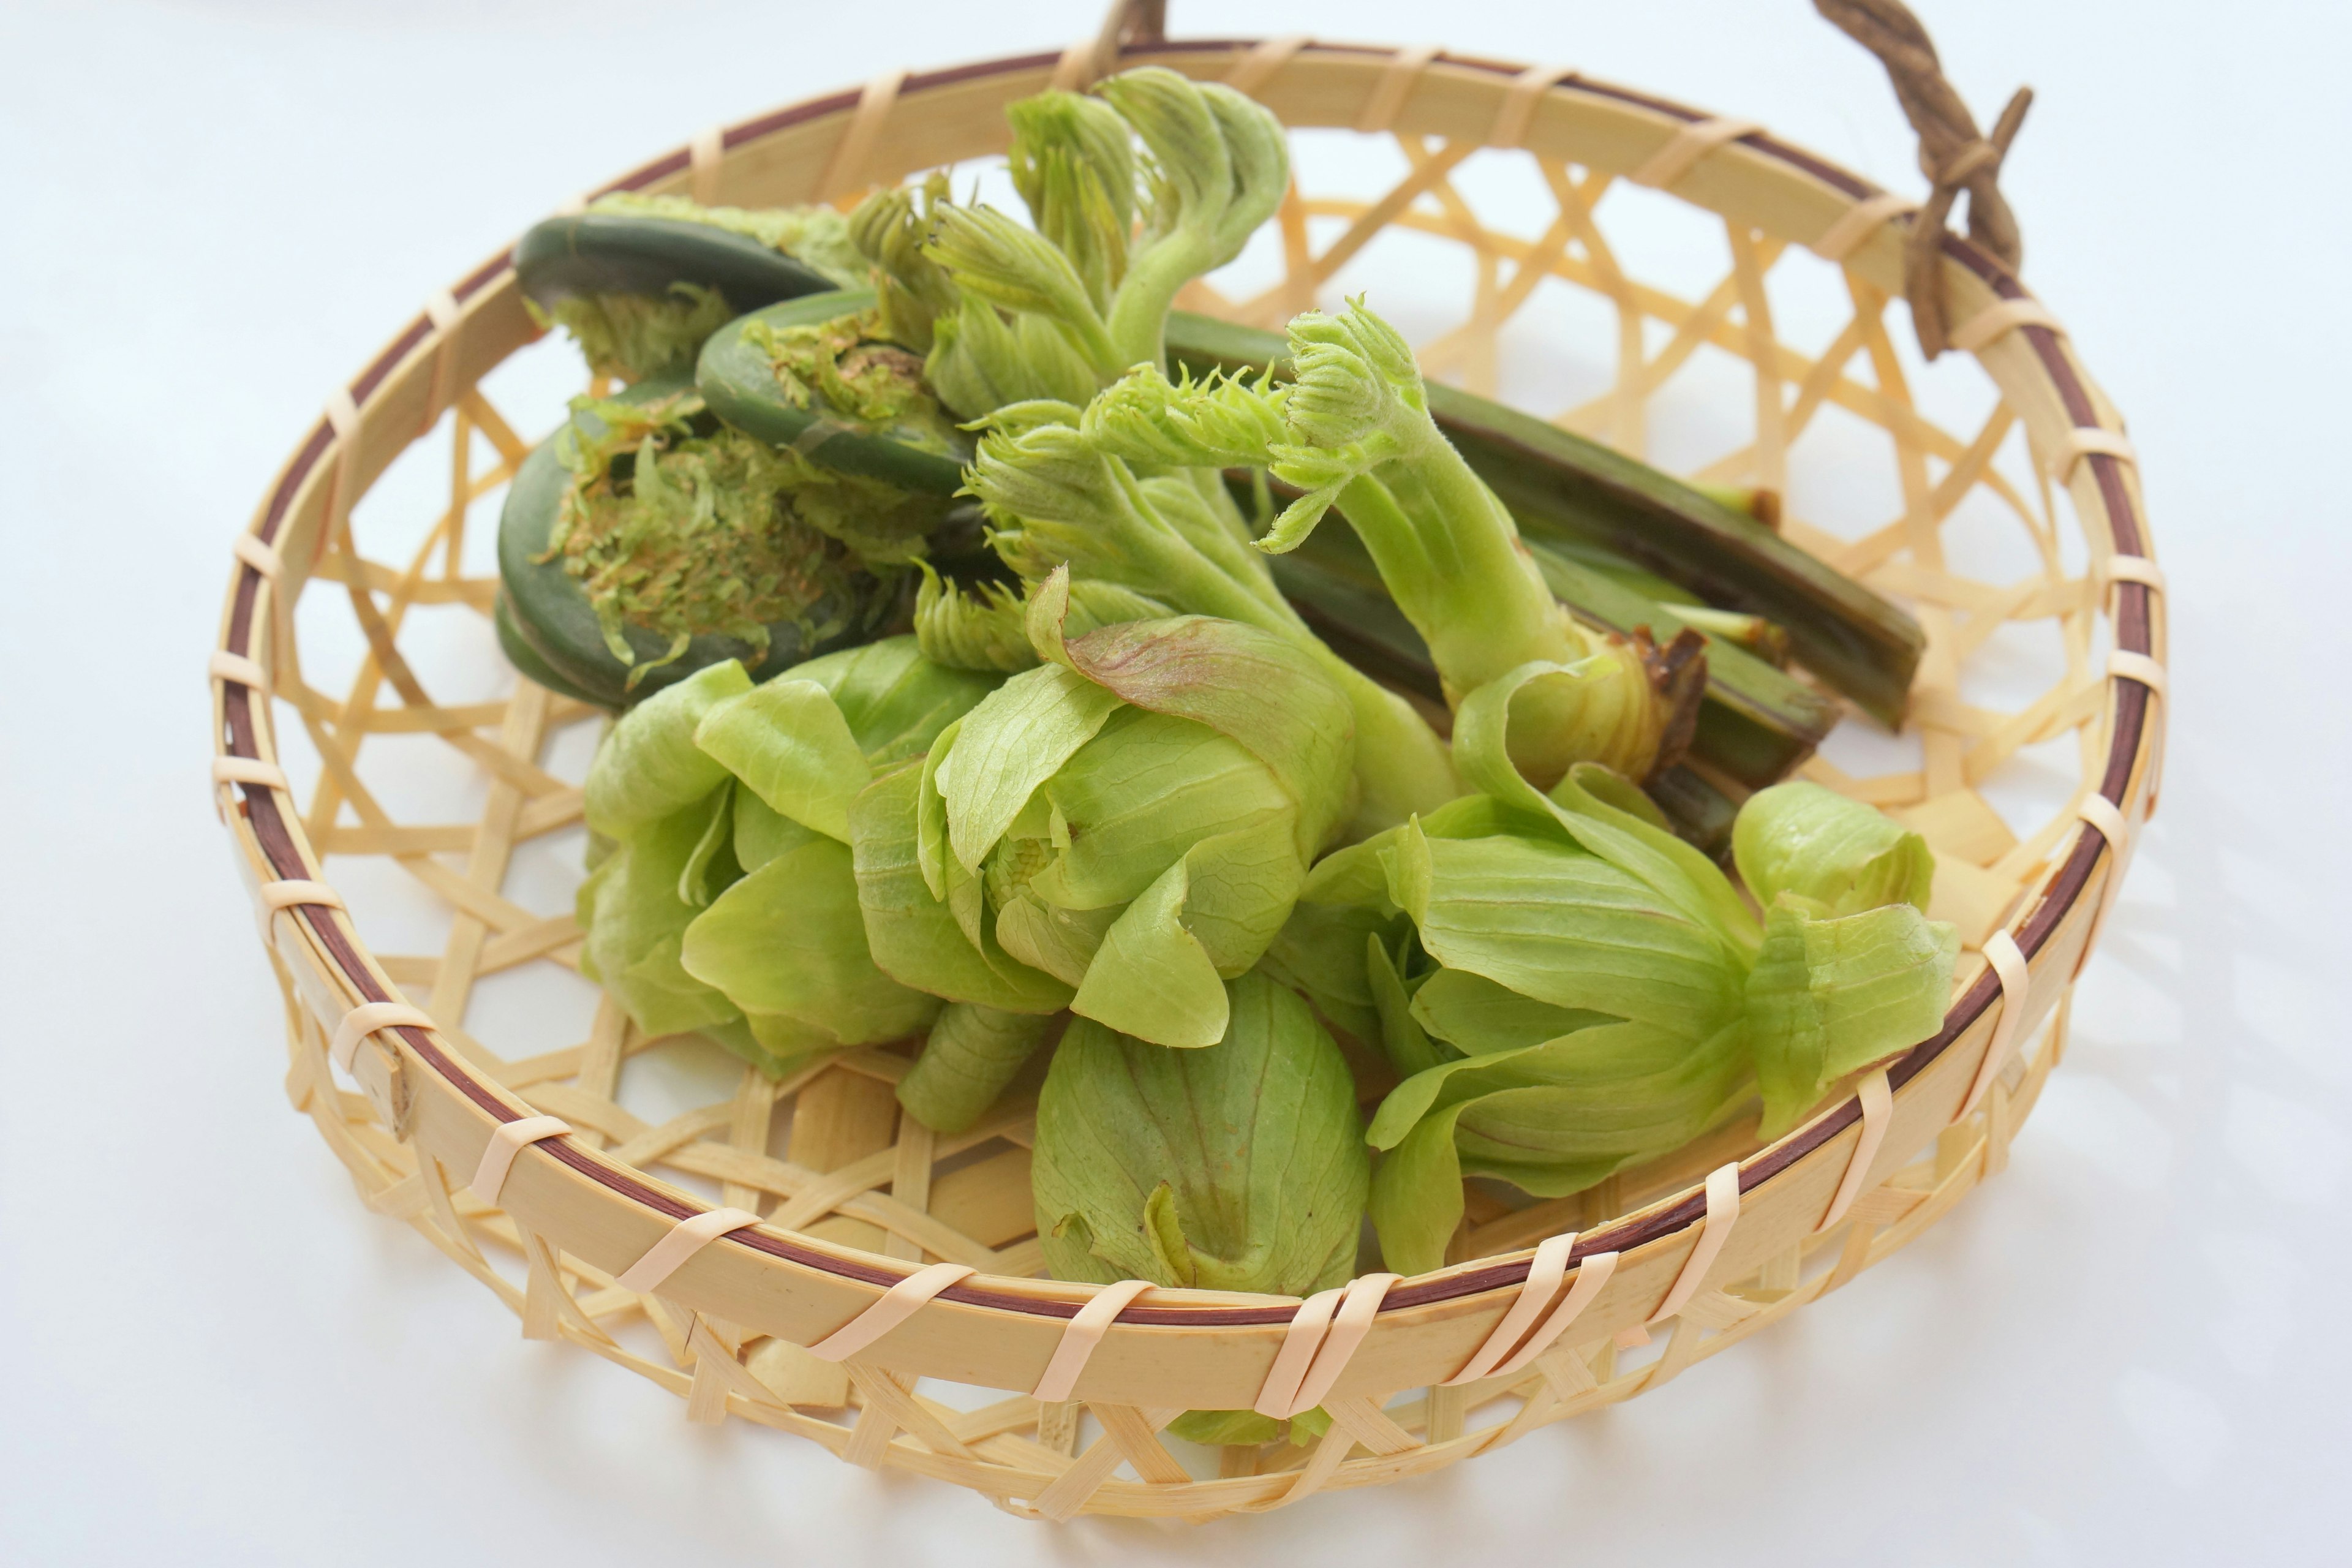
<point x="916" y="1254"/>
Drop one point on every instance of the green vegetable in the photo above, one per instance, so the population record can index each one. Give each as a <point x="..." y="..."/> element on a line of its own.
<point x="1057" y="498"/>
<point x="1353" y="429"/>
<point x="1117" y="831"/>
<point x="1238" y="1166"/>
<point x="971" y="1054"/>
<point x="1566" y="989"/>
<point x="1802" y="840"/>
<point x="641" y="281"/>
<point x="730" y="903"/>
<point x="1579" y="496"/>
<point x="821" y="376"/>
<point x="1011" y="314"/>
<point x="662" y="806"/>
<point x="622" y="574"/>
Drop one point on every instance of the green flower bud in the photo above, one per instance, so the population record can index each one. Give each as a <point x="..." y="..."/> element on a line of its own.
<point x="729" y="902"/>
<point x="1566" y="989"/>
<point x="1119" y="830"/>
<point x="1799" y="838"/>
<point x="1238" y="1166"/>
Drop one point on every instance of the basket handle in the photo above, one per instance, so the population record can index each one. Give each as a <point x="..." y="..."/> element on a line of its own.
<point x="1952" y="155"/>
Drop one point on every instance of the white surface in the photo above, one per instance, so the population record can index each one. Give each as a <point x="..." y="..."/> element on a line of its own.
<point x="2128" y="1349"/>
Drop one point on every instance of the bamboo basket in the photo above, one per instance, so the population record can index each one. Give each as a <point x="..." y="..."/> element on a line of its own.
<point x="1708" y="1247"/>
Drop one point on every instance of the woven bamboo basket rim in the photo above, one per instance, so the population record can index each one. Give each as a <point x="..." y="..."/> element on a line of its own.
<point x="1001" y="1331"/>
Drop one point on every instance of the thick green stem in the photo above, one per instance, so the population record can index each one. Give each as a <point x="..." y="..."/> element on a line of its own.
<point x="1401" y="765"/>
<point x="1138" y="313"/>
<point x="1452" y="556"/>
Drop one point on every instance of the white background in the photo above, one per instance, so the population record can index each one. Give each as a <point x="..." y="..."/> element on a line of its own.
<point x="2129" y="1348"/>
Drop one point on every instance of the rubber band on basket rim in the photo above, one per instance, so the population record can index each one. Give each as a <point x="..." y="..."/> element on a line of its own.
<point x="2000" y="318"/>
<point x="365" y="1020"/>
<point x="899" y="1303"/>
<point x="1359" y="1305"/>
<point x="230" y="768"/>
<point x="2009" y="965"/>
<point x="343" y="412"/>
<point x="1299" y="1340"/>
<point x="441" y="308"/>
<point x="1397" y="78"/>
<point x="1085" y="1332"/>
<point x="234" y="667"/>
<point x="253" y="773"/>
<point x="1262" y="62"/>
<point x="1723" y="1207"/>
<point x="704" y="155"/>
<point x="258" y="553"/>
<point x="506" y="1140"/>
<point x="844" y="172"/>
<point x="1546" y="1270"/>
<point x="1690" y="142"/>
<point x="2125" y="664"/>
<point x="2121" y="568"/>
<point x="2105" y="818"/>
<point x="1521" y="101"/>
<point x="680" y="1242"/>
<point x="1854" y="225"/>
<point x="290" y="892"/>
<point x="1321" y="1339"/>
<point x="2087" y="441"/>
<point x="1877" y="1098"/>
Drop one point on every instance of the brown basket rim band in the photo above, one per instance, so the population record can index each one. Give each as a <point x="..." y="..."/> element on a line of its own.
<point x="2133" y="631"/>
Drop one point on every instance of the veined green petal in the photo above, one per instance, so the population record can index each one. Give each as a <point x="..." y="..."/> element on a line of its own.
<point x="711" y="865"/>
<point x="1676" y="872"/>
<point x="1551" y="1119"/>
<point x="650" y="767"/>
<point x="1261" y="689"/>
<point x="931" y="851"/>
<point x="1618" y="792"/>
<point x="1401" y="1038"/>
<point x="895" y="700"/>
<point x="762" y="833"/>
<point x="1013" y="741"/>
<point x="789" y="939"/>
<point x="1798" y="837"/>
<point x="1320" y="952"/>
<point x="636" y="921"/>
<point x="789" y="743"/>
<point x="1600" y="1100"/>
<point x="1562" y="926"/>
<point x="1256" y="1139"/>
<point x="1829" y="997"/>
<point x="1140" y="794"/>
<point x="1151" y="977"/>
<point x="1241" y="886"/>
<point x="1061" y="941"/>
<point x="913" y="936"/>
<point x="1416" y="1196"/>
<point x="1481" y="1019"/>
